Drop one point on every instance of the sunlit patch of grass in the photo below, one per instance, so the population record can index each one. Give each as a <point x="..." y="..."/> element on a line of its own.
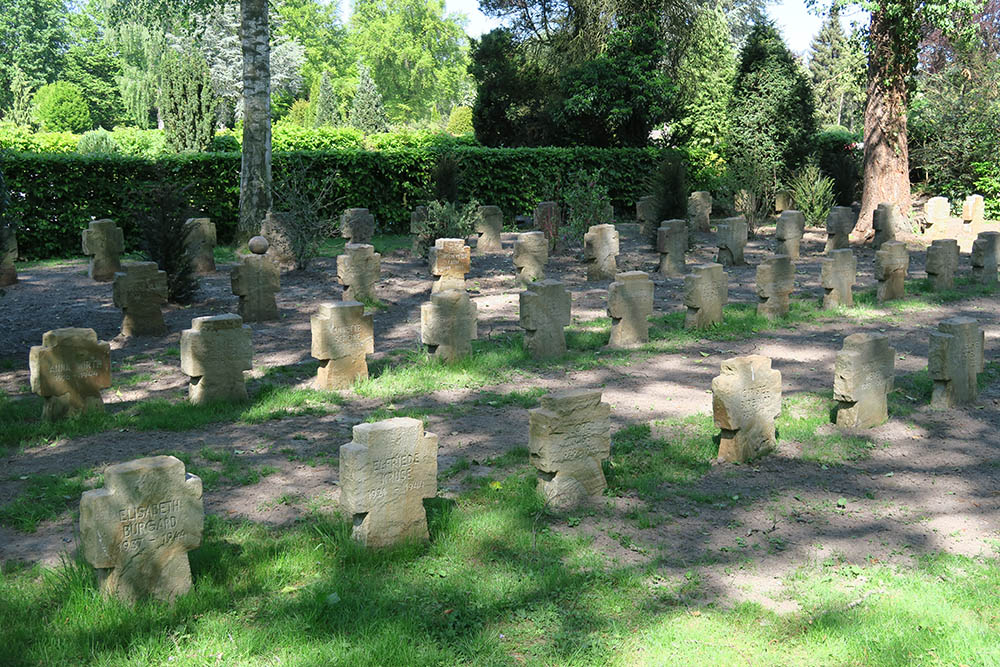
<point x="385" y="244"/>
<point x="225" y="466"/>
<point x="225" y="254"/>
<point x="806" y="419"/>
<point x="512" y="457"/>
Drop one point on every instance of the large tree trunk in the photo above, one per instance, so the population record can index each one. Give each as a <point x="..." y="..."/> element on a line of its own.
<point x="255" y="173"/>
<point x="887" y="158"/>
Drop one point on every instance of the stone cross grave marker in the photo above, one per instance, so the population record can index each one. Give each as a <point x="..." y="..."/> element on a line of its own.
<point x="569" y="436"/>
<point x="746" y="399"/>
<point x="600" y="250"/>
<point x="630" y="303"/>
<point x="450" y="260"/>
<point x="954" y="361"/>
<point x="8" y="255"/>
<point x="140" y="290"/>
<point x="139" y="528"/>
<point x="256" y="281"/>
<point x="706" y="291"/>
<point x="839" y="225"/>
<point x="357" y="225"/>
<point x="782" y="201"/>
<point x="200" y="241"/>
<point x="891" y="264"/>
<point x="985" y="256"/>
<point x="775" y="282"/>
<point x="385" y="474"/>
<point x="838" y="274"/>
<point x="214" y="353"/>
<point x="418" y="218"/>
<point x="886" y="219"/>
<point x="974" y="210"/>
<point x="69" y="370"/>
<point x="671" y="243"/>
<point x="732" y="239"/>
<point x="863" y="375"/>
<point x="531" y="253"/>
<point x="274" y="229"/>
<point x="699" y="211"/>
<point x="942" y="263"/>
<point x="937" y="210"/>
<point x="790" y="227"/>
<point x="104" y="242"/>
<point x="645" y="215"/>
<point x="545" y="310"/>
<point x="341" y="337"/>
<point x="547" y="219"/>
<point x="358" y="270"/>
<point x="448" y="325"/>
<point x="489" y="225"/>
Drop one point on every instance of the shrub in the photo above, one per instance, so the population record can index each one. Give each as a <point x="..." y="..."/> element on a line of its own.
<point x="96" y="142"/>
<point x="367" y="110"/>
<point x="159" y="211"/>
<point x="445" y="178"/>
<point x="445" y="220"/>
<point x="226" y="142"/>
<point x="287" y="137"/>
<point x="61" y="107"/>
<point x="140" y="143"/>
<point x="668" y="186"/>
<point x="460" y="121"/>
<point x="186" y="102"/>
<point x="839" y="157"/>
<point x="300" y="113"/>
<point x="308" y="209"/>
<point x="587" y="203"/>
<point x="812" y="193"/>
<point x="750" y="184"/>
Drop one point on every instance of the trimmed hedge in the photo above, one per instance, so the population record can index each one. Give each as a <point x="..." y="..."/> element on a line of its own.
<point x="54" y="196"/>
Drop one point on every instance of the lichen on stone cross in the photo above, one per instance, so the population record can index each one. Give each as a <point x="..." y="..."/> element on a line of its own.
<point x="839" y="225"/>
<point x="104" y="242"/>
<point x="200" y="240"/>
<point x="942" y="263"/>
<point x="954" y="361"/>
<point x="746" y="399"/>
<point x="214" y="353"/>
<point x="706" y="291"/>
<point x="531" y="253"/>
<point x="671" y="243"/>
<point x="450" y="260"/>
<point x="630" y="303"/>
<point x="863" y="376"/>
<point x="544" y="311"/>
<point x="341" y="337"/>
<point x="985" y="252"/>
<point x="569" y="436"/>
<point x="140" y="290"/>
<point x="600" y="252"/>
<point x="788" y="231"/>
<point x="139" y="528"/>
<point x="359" y="268"/>
<point x="489" y="225"/>
<point x="775" y="282"/>
<point x="385" y="474"/>
<point x="357" y="225"/>
<point x="448" y="325"/>
<point x="838" y="274"/>
<point x="885" y="220"/>
<point x="69" y="370"/>
<point x="255" y="281"/>
<point x="892" y="261"/>
<point x="699" y="211"/>
<point x="731" y="236"/>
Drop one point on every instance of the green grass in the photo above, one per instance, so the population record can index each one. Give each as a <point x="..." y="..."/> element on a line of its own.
<point x="225" y="254"/>
<point x="45" y="497"/>
<point x="224" y="466"/>
<point x="385" y="244"/>
<point x="806" y="419"/>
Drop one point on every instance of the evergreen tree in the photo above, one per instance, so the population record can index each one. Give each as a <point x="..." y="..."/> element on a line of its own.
<point x="186" y="102"/>
<point x="325" y="110"/>
<point x="367" y="111"/>
<point x="705" y="82"/>
<point x="20" y="88"/>
<point x="833" y="68"/>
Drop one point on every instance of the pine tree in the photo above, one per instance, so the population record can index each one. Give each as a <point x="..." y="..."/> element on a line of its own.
<point x="20" y="88"/>
<point x="833" y="66"/>
<point x="705" y="82"/>
<point x="186" y="102"/>
<point x="367" y="112"/>
<point x="325" y="110"/>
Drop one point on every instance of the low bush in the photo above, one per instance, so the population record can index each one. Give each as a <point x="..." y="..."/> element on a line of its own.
<point x="96" y="142"/>
<point x="838" y="153"/>
<point x="812" y="193"/>
<point x="587" y="203"/>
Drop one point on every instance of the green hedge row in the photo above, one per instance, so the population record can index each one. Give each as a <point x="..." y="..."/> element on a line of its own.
<point x="53" y="196"/>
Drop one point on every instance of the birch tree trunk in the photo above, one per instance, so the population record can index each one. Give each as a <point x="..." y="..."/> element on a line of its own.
<point x="255" y="171"/>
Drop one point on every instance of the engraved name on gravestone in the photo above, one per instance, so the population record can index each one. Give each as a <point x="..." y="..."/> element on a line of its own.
<point x="886" y="219"/>
<point x="937" y="210"/>
<point x="547" y="219"/>
<point x="788" y="231"/>
<point x="385" y="474"/>
<point x="139" y="528"/>
<point x="255" y="282"/>
<point x="448" y="325"/>
<point x="104" y="242"/>
<point x="699" y="211"/>
<point x="731" y="236"/>
<point x="489" y="225"/>
<point x="746" y="399"/>
<point x="69" y="370"/>
<point x="839" y="225"/>
<point x="646" y="216"/>
<point x="600" y="251"/>
<point x="891" y="264"/>
<point x="214" y="353"/>
<point x="706" y="291"/>
<point x="838" y="274"/>
<point x="671" y="243"/>
<point x="630" y="303"/>
<point x="450" y="260"/>
<point x="200" y="241"/>
<point x="863" y="375"/>
<point x="140" y="290"/>
<point x="544" y="311"/>
<point x="954" y="361"/>
<point x="985" y="251"/>
<point x="8" y="255"/>
<point x="341" y="337"/>
<point x="942" y="263"/>
<point x="569" y="436"/>
<point x="775" y="282"/>
<point x="531" y="253"/>
<point x="358" y="270"/>
<point x="974" y="210"/>
<point x="357" y="225"/>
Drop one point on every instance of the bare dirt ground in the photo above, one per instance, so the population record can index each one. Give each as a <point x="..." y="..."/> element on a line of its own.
<point x="931" y="482"/>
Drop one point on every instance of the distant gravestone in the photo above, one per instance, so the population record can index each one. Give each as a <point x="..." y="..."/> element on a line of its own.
<point x="450" y="260"/>
<point x="140" y="290"/>
<point x="448" y="325"/>
<point x="418" y="221"/>
<point x="104" y="242"/>
<point x="892" y="262"/>
<point x="706" y="291"/>
<point x="782" y="201"/>
<point x="885" y="220"/>
<point x="788" y="231"/>
<point x="544" y="311"/>
<point x="548" y="219"/>
<point x="775" y="282"/>
<point x="630" y="303"/>
<point x="646" y="216"/>
<point x="974" y="210"/>
<point x="137" y="530"/>
<point x="531" y="253"/>
<point x="357" y="225"/>
<point x="671" y="243"/>
<point x="214" y="353"/>
<point x="839" y="225"/>
<point x="600" y="251"/>
<point x="8" y="255"/>
<point x="489" y="225"/>
<point x="569" y="436"/>
<point x="732" y="239"/>
<point x="746" y="399"/>
<point x="954" y="361"/>
<point x="863" y="376"/>
<point x="199" y="242"/>
<point x="838" y="274"/>
<point x="699" y="211"/>
<point x="385" y="474"/>
<point x="341" y="337"/>
<point x="985" y="257"/>
<point x="274" y="229"/>
<point x="937" y="210"/>
<point x="255" y="282"/>
<point x="358" y="270"/>
<point x="69" y="370"/>
<point x="942" y="263"/>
